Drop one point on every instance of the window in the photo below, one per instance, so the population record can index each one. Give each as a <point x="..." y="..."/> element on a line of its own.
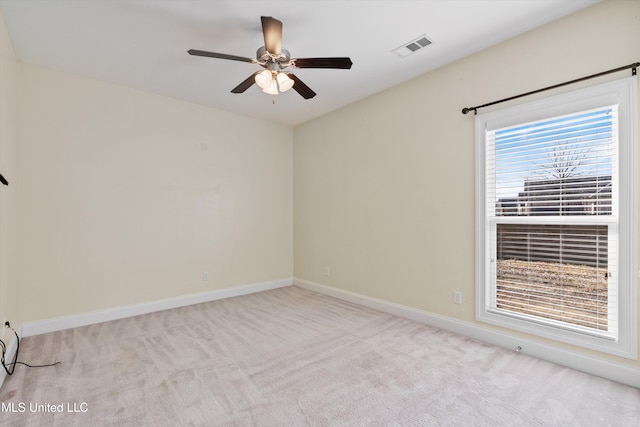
<point x="556" y="238"/>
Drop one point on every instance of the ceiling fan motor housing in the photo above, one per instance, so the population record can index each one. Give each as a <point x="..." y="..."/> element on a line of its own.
<point x="271" y="61"/>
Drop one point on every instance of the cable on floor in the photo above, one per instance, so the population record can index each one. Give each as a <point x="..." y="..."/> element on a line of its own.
<point x="15" y="362"/>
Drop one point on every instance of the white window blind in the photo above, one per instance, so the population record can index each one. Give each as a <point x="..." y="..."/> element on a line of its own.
<point x="556" y="238"/>
<point x="552" y="186"/>
<point x="556" y="167"/>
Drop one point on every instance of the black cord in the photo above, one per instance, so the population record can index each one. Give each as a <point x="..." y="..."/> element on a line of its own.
<point x="15" y="358"/>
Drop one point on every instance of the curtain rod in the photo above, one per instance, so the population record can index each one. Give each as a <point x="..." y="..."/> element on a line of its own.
<point x="633" y="73"/>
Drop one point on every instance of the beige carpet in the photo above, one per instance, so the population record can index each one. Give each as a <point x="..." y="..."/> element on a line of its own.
<point x="291" y="357"/>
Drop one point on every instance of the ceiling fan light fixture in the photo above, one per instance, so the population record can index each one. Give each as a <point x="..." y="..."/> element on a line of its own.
<point x="284" y="82"/>
<point x="264" y="79"/>
<point x="272" y="89"/>
<point x="274" y="58"/>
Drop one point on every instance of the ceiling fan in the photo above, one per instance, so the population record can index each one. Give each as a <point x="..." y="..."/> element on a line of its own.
<point x="274" y="59"/>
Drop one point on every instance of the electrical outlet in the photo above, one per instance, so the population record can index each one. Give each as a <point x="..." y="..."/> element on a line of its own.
<point x="4" y="333"/>
<point x="205" y="276"/>
<point x="327" y="271"/>
<point x="457" y="297"/>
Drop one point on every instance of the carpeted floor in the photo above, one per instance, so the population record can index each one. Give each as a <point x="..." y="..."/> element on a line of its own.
<point x="291" y="357"/>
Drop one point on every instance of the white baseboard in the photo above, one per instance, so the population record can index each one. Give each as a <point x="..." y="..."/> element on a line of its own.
<point x="603" y="368"/>
<point x="592" y="365"/>
<point x="84" y="319"/>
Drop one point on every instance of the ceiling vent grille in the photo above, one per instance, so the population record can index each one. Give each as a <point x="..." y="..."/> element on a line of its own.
<point x="413" y="46"/>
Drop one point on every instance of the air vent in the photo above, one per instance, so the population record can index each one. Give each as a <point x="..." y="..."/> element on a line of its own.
<point x="412" y="47"/>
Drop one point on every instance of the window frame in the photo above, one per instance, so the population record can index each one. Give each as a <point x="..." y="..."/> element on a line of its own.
<point x="622" y="92"/>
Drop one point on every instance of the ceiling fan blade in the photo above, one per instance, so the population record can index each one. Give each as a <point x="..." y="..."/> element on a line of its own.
<point x="219" y="55"/>
<point x="341" y="63"/>
<point x="246" y="84"/>
<point x="299" y="86"/>
<point x="272" y="32"/>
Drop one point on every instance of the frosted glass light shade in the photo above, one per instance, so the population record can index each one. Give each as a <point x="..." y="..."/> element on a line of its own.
<point x="264" y="79"/>
<point x="272" y="89"/>
<point x="284" y="82"/>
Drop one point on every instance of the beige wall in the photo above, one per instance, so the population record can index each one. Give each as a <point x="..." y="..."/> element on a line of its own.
<point x="120" y="204"/>
<point x="9" y="239"/>
<point x="384" y="188"/>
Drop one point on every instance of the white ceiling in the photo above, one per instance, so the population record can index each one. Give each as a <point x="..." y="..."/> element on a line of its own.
<point x="143" y="43"/>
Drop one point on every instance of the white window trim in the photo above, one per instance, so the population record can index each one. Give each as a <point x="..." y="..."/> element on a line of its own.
<point x="624" y="93"/>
